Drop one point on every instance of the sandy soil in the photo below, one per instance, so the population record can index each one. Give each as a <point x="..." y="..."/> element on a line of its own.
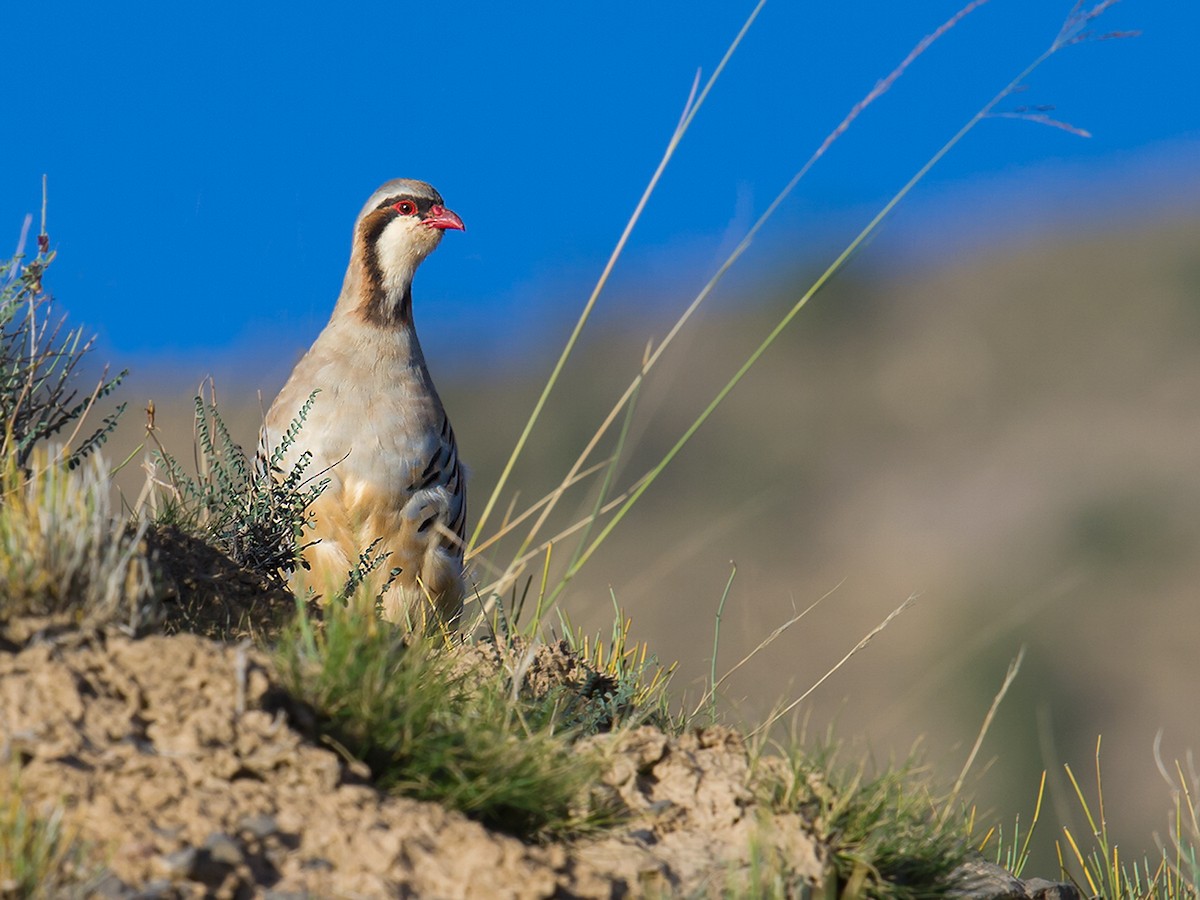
<point x="178" y="762"/>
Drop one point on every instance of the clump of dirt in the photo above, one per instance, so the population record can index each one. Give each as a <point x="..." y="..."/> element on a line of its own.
<point x="175" y="760"/>
<point x="543" y="668"/>
<point x="587" y="698"/>
<point x="695" y="818"/>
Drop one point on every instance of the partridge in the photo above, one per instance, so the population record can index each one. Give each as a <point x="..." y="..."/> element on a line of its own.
<point x="377" y="429"/>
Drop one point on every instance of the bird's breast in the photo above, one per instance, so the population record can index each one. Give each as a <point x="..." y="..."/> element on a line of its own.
<point x="376" y="417"/>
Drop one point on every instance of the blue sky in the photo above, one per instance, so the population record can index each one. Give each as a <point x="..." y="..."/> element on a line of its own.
<point x="206" y="161"/>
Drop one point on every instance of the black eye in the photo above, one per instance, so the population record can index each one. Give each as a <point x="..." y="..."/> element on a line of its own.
<point x="405" y="207"/>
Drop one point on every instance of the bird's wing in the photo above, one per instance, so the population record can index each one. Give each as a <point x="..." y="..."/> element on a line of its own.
<point x="438" y="491"/>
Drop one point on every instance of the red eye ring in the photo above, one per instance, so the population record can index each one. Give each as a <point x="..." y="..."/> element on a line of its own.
<point x="405" y="207"/>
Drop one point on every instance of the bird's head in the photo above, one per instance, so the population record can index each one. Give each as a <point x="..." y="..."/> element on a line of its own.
<point x="401" y="224"/>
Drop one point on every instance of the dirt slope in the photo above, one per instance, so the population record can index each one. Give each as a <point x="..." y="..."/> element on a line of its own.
<point x="179" y="763"/>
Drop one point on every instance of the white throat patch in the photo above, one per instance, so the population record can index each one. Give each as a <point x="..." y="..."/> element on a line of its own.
<point x="399" y="250"/>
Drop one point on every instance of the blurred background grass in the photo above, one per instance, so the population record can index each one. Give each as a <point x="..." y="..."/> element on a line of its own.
<point x="1010" y="433"/>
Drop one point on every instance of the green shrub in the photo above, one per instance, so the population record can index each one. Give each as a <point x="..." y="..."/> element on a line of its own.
<point x="253" y="512"/>
<point x="39" y="397"/>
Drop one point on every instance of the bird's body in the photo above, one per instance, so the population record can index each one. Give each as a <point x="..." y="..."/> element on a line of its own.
<point x="377" y="428"/>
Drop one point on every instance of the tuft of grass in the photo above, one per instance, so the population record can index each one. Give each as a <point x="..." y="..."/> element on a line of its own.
<point x="639" y="682"/>
<point x="39" y="362"/>
<point x="38" y="858"/>
<point x="884" y="831"/>
<point x="62" y="552"/>
<point x="1011" y="850"/>
<point x="626" y="685"/>
<point x="1183" y="832"/>
<point x="427" y="728"/>
<point x="1099" y="870"/>
<point x="254" y="513"/>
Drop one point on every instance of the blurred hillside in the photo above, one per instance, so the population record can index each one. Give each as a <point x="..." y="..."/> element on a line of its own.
<point x="1011" y="436"/>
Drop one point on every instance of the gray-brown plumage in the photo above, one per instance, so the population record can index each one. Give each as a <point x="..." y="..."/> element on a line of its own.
<point x="378" y="425"/>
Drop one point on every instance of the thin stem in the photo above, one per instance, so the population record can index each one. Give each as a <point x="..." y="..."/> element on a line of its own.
<point x="712" y="677"/>
<point x="510" y="525"/>
<point x="881" y="87"/>
<point x="775" y="634"/>
<point x="1013" y="668"/>
<point x="825" y="276"/>
<point x="690" y="109"/>
<point x="870" y="635"/>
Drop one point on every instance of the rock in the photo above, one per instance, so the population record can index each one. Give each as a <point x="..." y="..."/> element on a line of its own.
<point x="158" y="889"/>
<point x="978" y="879"/>
<point x="1041" y="889"/>
<point x="260" y="826"/>
<point x="223" y="850"/>
<point x="107" y="886"/>
<point x="180" y="864"/>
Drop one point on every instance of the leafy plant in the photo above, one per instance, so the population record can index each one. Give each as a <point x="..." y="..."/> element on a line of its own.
<point x="254" y="513"/>
<point x="39" y="366"/>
